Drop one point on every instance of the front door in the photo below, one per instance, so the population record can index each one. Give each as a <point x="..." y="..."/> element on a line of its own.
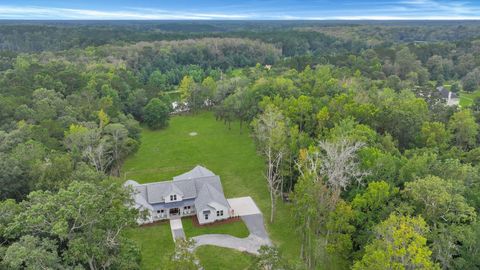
<point x="174" y="211"/>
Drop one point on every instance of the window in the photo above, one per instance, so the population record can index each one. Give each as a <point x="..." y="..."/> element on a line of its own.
<point x="158" y="211"/>
<point x="173" y="197"/>
<point x="220" y="213"/>
<point x="206" y="216"/>
<point x="161" y="211"/>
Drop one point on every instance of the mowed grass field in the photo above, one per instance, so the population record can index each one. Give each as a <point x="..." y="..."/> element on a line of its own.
<point x="467" y="98"/>
<point x="231" y="154"/>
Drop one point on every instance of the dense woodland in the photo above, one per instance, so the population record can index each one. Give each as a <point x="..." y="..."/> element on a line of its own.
<point x="380" y="172"/>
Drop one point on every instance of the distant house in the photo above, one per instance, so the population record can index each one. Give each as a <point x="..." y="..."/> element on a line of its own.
<point x="450" y="98"/>
<point x="197" y="192"/>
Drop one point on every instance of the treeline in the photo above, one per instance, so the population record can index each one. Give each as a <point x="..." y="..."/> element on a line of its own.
<point x="372" y="170"/>
<point x="68" y="120"/>
<point x="355" y="134"/>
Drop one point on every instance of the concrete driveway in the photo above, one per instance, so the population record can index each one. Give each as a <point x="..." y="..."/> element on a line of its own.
<point x="244" y="206"/>
<point x="248" y="211"/>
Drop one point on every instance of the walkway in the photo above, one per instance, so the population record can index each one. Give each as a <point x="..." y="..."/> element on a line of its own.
<point x="177" y="229"/>
<point x="246" y="208"/>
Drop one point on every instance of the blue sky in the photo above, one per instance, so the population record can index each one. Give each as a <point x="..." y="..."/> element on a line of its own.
<point x="241" y="10"/>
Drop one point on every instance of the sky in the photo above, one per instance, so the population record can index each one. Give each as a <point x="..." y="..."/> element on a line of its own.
<point x="240" y="10"/>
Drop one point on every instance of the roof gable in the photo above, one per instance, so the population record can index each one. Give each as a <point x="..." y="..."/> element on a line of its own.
<point x="209" y="196"/>
<point x="197" y="172"/>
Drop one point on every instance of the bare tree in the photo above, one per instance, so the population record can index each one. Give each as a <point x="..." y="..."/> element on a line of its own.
<point x="339" y="163"/>
<point x="99" y="156"/>
<point x="270" y="131"/>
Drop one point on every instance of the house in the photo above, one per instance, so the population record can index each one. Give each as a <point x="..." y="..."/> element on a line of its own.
<point x="197" y="192"/>
<point x="450" y="98"/>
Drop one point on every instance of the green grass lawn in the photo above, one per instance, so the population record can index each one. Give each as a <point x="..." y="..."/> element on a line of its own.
<point x="228" y="153"/>
<point x="467" y="98"/>
<point x="223" y="258"/>
<point x="238" y="229"/>
<point x="155" y="243"/>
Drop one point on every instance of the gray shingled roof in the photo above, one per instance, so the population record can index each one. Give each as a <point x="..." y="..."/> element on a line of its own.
<point x="444" y="92"/>
<point x="196" y="172"/>
<point x="208" y="195"/>
<point x="200" y="184"/>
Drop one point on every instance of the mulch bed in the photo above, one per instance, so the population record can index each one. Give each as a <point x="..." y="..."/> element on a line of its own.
<point x="216" y="223"/>
<point x="155" y="223"/>
<point x="195" y="222"/>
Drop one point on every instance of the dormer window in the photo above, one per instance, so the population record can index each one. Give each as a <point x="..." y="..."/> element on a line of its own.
<point x="173" y="197"/>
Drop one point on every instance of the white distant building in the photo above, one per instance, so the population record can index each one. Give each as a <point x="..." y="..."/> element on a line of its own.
<point x="450" y="98"/>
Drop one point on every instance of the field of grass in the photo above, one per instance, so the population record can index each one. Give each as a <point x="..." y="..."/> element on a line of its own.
<point x="467" y="98"/>
<point x="225" y="258"/>
<point x="229" y="153"/>
<point x="156" y="244"/>
<point x="238" y="229"/>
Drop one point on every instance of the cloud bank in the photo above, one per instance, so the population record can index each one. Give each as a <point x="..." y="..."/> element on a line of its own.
<point x="258" y="10"/>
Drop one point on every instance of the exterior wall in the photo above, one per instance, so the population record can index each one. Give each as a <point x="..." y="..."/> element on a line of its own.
<point x="185" y="211"/>
<point x="212" y="217"/>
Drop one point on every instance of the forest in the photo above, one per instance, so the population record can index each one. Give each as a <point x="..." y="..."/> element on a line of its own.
<point x="379" y="172"/>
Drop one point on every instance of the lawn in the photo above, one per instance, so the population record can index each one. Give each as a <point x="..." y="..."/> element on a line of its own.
<point x="155" y="243"/>
<point x="229" y="153"/>
<point x="238" y="228"/>
<point x="467" y="98"/>
<point x="229" y="259"/>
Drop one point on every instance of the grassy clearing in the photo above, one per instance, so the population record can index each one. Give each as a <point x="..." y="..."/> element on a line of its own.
<point x="225" y="258"/>
<point x="155" y="243"/>
<point x="467" y="98"/>
<point x="238" y="229"/>
<point x="229" y="153"/>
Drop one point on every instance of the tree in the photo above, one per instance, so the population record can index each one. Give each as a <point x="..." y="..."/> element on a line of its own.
<point x="186" y="88"/>
<point x="405" y="62"/>
<point x="307" y="210"/>
<point x="120" y="143"/>
<point x="270" y="131"/>
<point x="13" y="181"/>
<point x="471" y="81"/>
<point x="399" y="244"/>
<point x="373" y="205"/>
<point x="443" y="206"/>
<point x="339" y="164"/>
<point x="439" y="200"/>
<point x="268" y="258"/>
<point x="434" y="134"/>
<point x="209" y="88"/>
<point x="88" y="226"/>
<point x="339" y="228"/>
<point x="32" y="253"/>
<point x="464" y="128"/>
<point x="156" y="113"/>
<point x="183" y="257"/>
<point x="402" y="116"/>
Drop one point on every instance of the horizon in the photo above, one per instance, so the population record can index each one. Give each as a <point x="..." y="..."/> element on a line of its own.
<point x="249" y="10"/>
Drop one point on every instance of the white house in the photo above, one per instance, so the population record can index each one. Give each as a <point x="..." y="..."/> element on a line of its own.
<point x="450" y="98"/>
<point x="197" y="192"/>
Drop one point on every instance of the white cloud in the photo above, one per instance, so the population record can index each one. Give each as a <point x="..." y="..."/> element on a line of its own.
<point x="400" y="10"/>
<point x="35" y="12"/>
